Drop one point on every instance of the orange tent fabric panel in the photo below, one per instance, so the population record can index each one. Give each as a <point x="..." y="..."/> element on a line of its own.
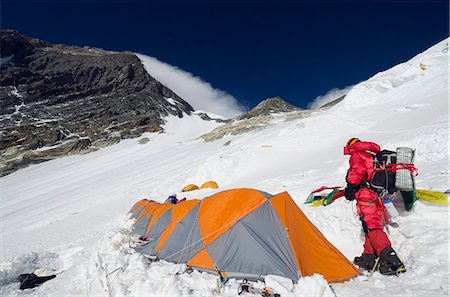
<point x="202" y="259"/>
<point x="146" y="209"/>
<point x="220" y="211"/>
<point x="179" y="211"/>
<point x="279" y="204"/>
<point x="159" y="211"/>
<point x="313" y="252"/>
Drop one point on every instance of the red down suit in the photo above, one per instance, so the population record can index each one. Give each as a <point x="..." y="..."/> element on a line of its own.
<point x="370" y="210"/>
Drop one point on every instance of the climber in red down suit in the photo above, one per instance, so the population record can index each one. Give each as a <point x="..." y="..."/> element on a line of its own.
<point x="370" y="209"/>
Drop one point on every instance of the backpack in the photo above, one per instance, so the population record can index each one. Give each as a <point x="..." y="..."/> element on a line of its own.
<point x="383" y="178"/>
<point x="393" y="171"/>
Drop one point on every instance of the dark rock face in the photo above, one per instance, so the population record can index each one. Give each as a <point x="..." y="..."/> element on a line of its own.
<point x="206" y="117"/>
<point x="73" y="100"/>
<point x="268" y="106"/>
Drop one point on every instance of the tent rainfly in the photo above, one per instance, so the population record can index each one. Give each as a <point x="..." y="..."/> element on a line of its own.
<point x="240" y="233"/>
<point x="190" y="187"/>
<point x="210" y="185"/>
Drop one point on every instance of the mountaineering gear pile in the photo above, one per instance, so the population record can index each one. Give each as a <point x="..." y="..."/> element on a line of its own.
<point x="393" y="172"/>
<point x="366" y="261"/>
<point x="390" y="263"/>
<point x="240" y="233"/>
<point x="31" y="280"/>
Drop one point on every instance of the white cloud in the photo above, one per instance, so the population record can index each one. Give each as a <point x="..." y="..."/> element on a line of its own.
<point x="331" y="95"/>
<point x="198" y="93"/>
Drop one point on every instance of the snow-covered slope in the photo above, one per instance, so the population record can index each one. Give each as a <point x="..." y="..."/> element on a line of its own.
<point x="69" y="214"/>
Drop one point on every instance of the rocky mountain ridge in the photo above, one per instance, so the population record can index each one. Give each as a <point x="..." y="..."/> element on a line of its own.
<point x="269" y="106"/>
<point x="259" y="118"/>
<point x="57" y="100"/>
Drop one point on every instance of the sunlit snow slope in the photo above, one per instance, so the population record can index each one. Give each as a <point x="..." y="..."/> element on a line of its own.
<point x="69" y="214"/>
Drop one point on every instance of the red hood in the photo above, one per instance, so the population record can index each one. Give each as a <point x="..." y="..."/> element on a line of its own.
<point x="361" y="146"/>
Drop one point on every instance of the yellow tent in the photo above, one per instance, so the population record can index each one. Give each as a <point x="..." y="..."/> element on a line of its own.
<point x="210" y="185"/>
<point x="190" y="187"/>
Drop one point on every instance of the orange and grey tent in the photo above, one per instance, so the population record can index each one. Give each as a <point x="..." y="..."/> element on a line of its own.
<point x="244" y="233"/>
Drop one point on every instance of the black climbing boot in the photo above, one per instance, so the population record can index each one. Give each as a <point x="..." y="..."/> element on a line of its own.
<point x="365" y="261"/>
<point x="390" y="264"/>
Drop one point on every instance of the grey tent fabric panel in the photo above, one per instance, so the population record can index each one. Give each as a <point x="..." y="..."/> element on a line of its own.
<point x="247" y="276"/>
<point x="185" y="240"/>
<point x="255" y="245"/>
<point x="141" y="225"/>
<point x="156" y="231"/>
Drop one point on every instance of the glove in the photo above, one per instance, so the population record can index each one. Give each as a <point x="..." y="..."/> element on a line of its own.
<point x="350" y="191"/>
<point x="349" y="194"/>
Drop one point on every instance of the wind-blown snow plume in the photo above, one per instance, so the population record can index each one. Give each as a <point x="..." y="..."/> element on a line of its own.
<point x="330" y="96"/>
<point x="198" y="93"/>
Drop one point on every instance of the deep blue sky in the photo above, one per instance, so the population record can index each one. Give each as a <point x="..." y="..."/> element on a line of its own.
<point x="252" y="50"/>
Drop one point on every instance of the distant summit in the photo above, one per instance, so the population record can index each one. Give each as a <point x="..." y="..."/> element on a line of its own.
<point x="268" y="106"/>
<point x="258" y="118"/>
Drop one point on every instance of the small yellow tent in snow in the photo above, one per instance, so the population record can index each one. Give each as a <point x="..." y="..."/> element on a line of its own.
<point x="210" y="185"/>
<point x="190" y="187"/>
